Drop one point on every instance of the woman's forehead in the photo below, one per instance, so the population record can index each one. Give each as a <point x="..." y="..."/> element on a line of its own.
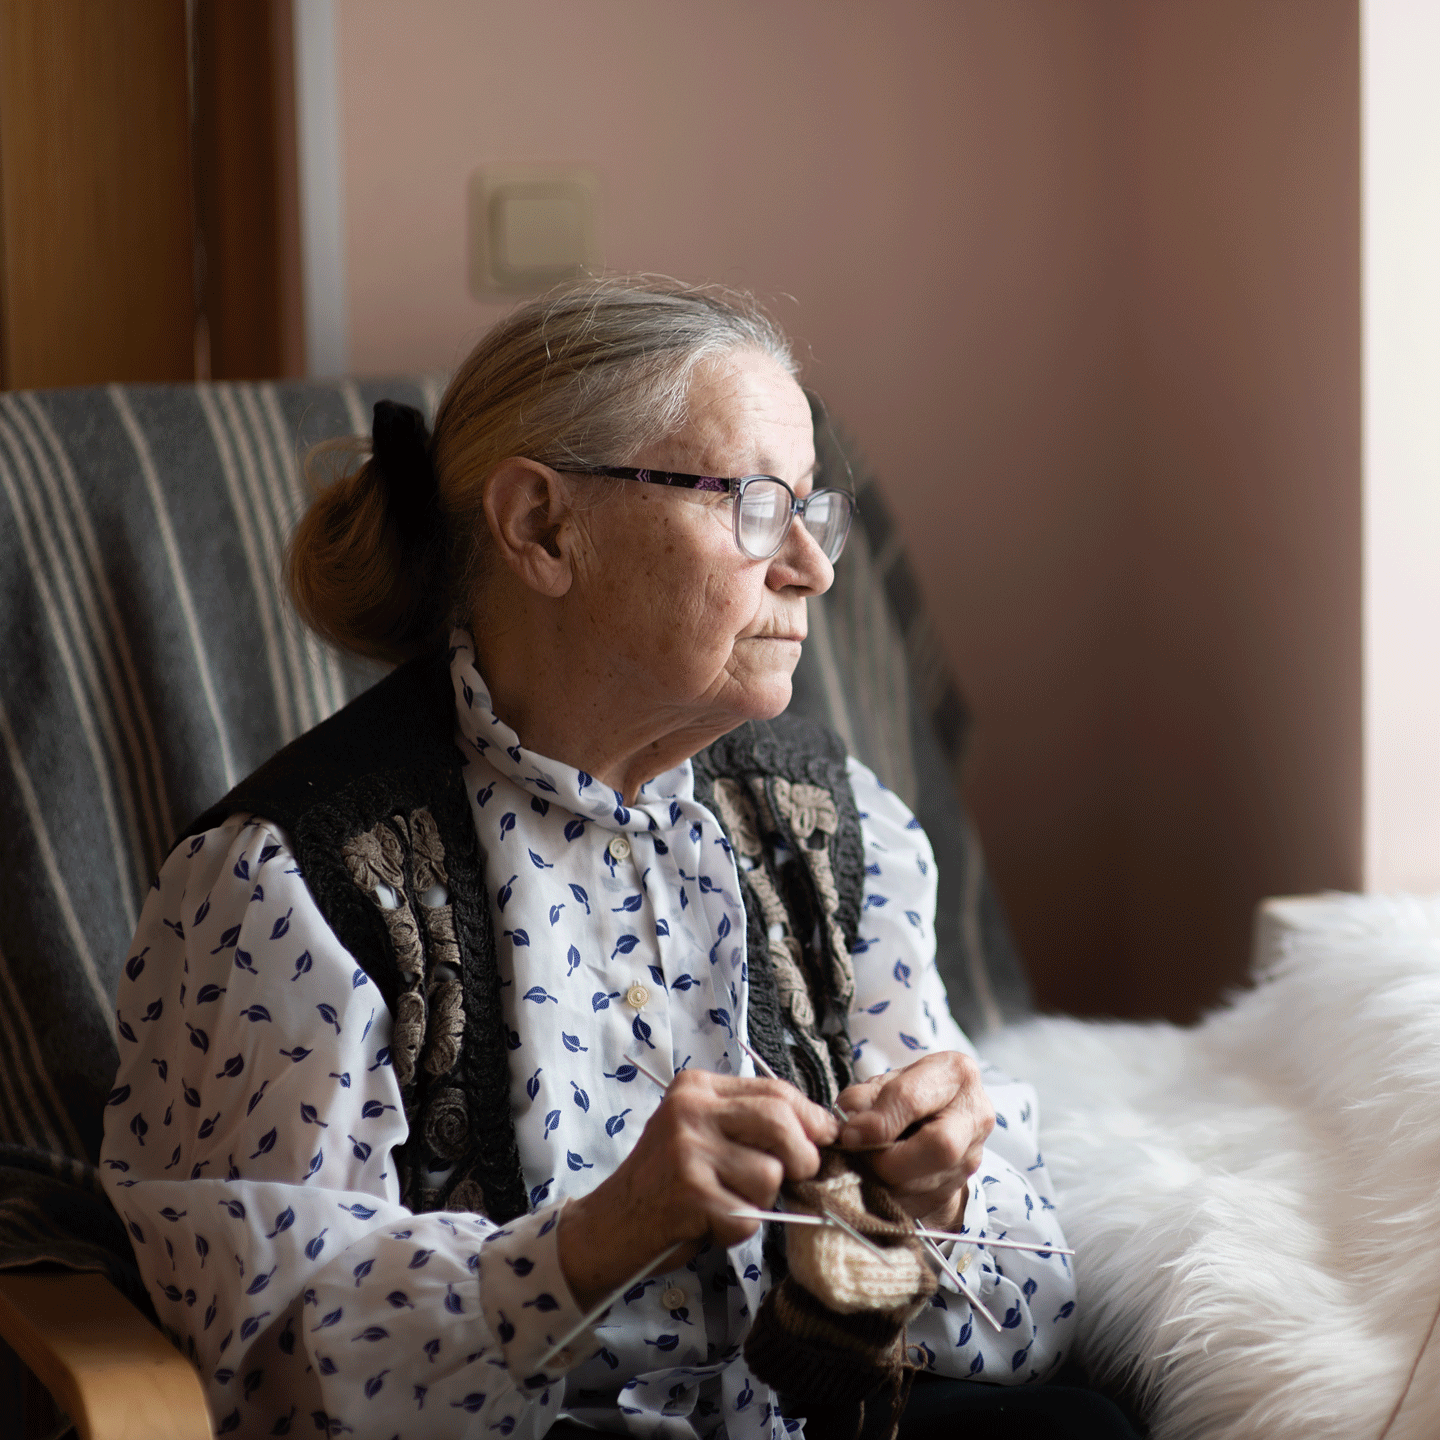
<point x="745" y="415"/>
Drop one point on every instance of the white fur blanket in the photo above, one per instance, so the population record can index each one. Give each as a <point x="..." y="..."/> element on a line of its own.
<point x="1255" y="1202"/>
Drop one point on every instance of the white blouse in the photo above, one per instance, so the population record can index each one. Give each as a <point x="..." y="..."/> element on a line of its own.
<point x="248" y="1139"/>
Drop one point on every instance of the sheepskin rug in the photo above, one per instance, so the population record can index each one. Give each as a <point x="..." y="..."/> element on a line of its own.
<point x="1255" y="1202"/>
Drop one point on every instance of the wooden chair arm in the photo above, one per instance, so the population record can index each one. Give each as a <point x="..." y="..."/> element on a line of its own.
<point x="111" y="1371"/>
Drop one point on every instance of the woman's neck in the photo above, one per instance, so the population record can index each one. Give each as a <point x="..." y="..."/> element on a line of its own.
<point x="579" y="712"/>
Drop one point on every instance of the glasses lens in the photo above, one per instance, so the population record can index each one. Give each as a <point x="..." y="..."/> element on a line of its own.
<point x="763" y="516"/>
<point x="827" y="516"/>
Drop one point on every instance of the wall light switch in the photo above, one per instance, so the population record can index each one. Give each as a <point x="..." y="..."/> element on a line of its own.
<point x="531" y="227"/>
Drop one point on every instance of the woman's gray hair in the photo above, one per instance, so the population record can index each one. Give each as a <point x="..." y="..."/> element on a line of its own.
<point x="589" y="374"/>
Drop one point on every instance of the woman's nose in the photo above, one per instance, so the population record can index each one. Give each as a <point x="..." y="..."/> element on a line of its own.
<point x="800" y="563"/>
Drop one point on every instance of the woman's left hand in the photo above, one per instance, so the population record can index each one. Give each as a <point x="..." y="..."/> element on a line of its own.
<point x="941" y="1099"/>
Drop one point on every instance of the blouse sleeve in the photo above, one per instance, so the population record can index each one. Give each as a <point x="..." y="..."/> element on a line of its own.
<point x="248" y="1150"/>
<point x="900" y="1014"/>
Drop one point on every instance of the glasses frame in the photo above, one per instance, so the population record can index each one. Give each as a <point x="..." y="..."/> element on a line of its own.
<point x="718" y="484"/>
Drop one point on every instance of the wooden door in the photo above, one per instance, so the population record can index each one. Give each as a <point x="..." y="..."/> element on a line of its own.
<point x="146" y="224"/>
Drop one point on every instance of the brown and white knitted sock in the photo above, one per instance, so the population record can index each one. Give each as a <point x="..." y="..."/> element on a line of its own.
<point x="833" y="1331"/>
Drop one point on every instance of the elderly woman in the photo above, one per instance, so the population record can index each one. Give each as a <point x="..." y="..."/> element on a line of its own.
<point x="443" y="1027"/>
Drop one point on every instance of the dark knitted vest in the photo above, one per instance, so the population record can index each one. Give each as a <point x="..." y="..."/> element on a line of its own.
<point x="374" y="803"/>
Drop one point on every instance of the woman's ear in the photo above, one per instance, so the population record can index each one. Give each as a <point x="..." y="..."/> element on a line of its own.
<point x="527" y="509"/>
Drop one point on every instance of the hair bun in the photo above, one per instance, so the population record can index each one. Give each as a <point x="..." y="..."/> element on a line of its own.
<point x="401" y="446"/>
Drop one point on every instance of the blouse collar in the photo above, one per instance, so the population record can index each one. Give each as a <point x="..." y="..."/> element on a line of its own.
<point x="552" y="782"/>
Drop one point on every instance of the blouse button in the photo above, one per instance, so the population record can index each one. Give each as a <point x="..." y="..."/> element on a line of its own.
<point x="673" y="1298"/>
<point x="637" y="997"/>
<point x="619" y="848"/>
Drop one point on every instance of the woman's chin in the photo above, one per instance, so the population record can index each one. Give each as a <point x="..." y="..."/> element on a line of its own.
<point x="766" y="699"/>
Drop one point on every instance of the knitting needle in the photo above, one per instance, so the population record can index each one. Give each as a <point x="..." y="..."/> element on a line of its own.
<point x="972" y="1297"/>
<point x="853" y="1233"/>
<point x="1031" y="1245"/>
<point x="834" y="1219"/>
<point x="764" y="1067"/>
<point x="648" y="1074"/>
<point x="959" y="1284"/>
<point x="791" y="1217"/>
<point x="799" y="1217"/>
<point x="593" y="1315"/>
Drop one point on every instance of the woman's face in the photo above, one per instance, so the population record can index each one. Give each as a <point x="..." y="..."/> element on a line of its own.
<point x="690" y="632"/>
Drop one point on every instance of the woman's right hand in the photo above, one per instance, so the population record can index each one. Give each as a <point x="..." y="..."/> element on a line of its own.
<point x="716" y="1142"/>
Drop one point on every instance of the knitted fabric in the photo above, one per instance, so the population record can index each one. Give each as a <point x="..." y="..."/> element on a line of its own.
<point x="781" y="793"/>
<point x="374" y="805"/>
<point x="376" y="810"/>
<point x="833" y="1331"/>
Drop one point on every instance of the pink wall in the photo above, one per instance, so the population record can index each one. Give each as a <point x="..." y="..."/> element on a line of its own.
<point x="1027" y="244"/>
<point x="1244" y="730"/>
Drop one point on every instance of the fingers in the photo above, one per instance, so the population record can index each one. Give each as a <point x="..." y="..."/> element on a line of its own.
<point x="926" y="1126"/>
<point x="766" y="1114"/>
<point x="883" y="1108"/>
<point x="715" y="1143"/>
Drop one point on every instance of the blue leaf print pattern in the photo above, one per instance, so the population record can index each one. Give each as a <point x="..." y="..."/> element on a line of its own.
<point x="564" y="1038"/>
<point x="283" y="1222"/>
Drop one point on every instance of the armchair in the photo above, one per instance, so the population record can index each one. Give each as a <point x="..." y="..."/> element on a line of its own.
<point x="149" y="661"/>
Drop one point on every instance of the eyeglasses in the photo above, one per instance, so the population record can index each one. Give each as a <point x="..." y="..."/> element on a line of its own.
<point x="765" y="507"/>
